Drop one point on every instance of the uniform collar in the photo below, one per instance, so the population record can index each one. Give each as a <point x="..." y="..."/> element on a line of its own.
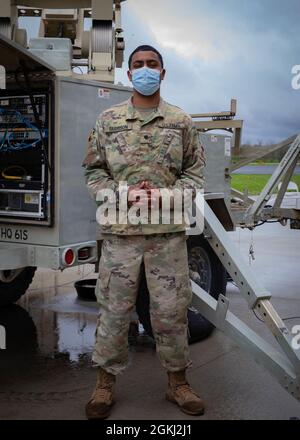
<point x="132" y="113"/>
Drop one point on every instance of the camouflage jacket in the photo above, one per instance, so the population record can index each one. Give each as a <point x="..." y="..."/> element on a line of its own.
<point x="163" y="149"/>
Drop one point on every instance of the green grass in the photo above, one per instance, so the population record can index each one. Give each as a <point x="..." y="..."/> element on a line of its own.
<point x="254" y="182"/>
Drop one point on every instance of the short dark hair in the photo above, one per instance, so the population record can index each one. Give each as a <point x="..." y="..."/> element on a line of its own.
<point x="146" y="48"/>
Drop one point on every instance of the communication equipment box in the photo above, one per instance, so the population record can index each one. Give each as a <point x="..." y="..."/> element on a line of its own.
<point x="45" y="121"/>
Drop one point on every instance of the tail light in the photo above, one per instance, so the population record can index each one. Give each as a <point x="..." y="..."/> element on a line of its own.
<point x="68" y="257"/>
<point x="84" y="253"/>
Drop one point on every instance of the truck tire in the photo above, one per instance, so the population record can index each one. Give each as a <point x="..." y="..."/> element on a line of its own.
<point x="204" y="261"/>
<point x="14" y="283"/>
<point x="212" y="278"/>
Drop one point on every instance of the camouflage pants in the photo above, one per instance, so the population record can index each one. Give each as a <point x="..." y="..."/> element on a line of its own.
<point x="167" y="274"/>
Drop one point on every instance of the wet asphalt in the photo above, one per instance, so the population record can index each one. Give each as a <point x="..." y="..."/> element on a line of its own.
<point x="46" y="371"/>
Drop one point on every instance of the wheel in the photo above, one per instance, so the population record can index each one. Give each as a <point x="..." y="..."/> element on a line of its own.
<point x="207" y="271"/>
<point x="205" y="267"/>
<point x="14" y="283"/>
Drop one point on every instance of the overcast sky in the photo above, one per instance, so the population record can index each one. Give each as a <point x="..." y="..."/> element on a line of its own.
<point x="223" y="49"/>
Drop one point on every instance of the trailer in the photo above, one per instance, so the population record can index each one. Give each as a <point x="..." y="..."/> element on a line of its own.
<point x="225" y="209"/>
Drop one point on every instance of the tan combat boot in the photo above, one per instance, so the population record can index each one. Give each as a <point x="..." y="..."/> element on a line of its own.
<point x="180" y="392"/>
<point x="103" y="398"/>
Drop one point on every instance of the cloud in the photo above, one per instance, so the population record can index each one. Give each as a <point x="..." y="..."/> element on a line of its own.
<point x="189" y="36"/>
<point x="223" y="49"/>
<point x="215" y="51"/>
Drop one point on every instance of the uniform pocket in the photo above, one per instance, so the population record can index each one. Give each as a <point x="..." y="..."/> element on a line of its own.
<point x="171" y="149"/>
<point x="117" y="147"/>
<point x="128" y="145"/>
<point x="102" y="285"/>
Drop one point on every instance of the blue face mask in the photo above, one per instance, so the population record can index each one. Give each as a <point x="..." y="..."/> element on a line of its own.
<point x="146" y="81"/>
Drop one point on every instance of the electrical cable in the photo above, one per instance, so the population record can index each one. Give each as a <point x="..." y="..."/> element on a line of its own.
<point x="257" y="317"/>
<point x="18" y="145"/>
<point x="29" y="91"/>
<point x="283" y="319"/>
<point x="4" y="137"/>
<point x="290" y="317"/>
<point x="11" y="177"/>
<point x="266" y="221"/>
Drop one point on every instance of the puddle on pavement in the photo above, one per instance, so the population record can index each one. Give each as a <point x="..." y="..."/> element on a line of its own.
<point x="49" y="321"/>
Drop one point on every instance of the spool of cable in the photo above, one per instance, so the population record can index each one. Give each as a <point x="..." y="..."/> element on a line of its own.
<point x="102" y="36"/>
<point x="5" y="27"/>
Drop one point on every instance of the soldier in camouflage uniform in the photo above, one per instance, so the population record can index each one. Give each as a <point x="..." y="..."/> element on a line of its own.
<point x="149" y="144"/>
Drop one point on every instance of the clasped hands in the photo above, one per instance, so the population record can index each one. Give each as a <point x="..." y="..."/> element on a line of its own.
<point x="144" y="194"/>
